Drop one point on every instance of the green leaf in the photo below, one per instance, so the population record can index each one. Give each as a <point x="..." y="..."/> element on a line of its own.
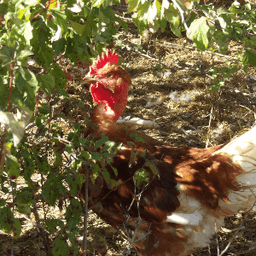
<point x="214" y="88"/>
<point x="44" y="108"/>
<point x="58" y="159"/>
<point x="90" y="26"/>
<point x="96" y="169"/>
<point x="3" y="92"/>
<point x="27" y="32"/>
<point x="122" y="23"/>
<point x="5" y="219"/>
<point x="47" y="82"/>
<point x="74" y="182"/>
<point x="17" y="125"/>
<point x="85" y="155"/>
<point x="144" y="9"/>
<point x="249" y="57"/>
<point x="221" y="39"/>
<point x="152" y="11"/>
<point x="163" y="24"/>
<point x="62" y="92"/>
<point x="23" y="208"/>
<point x="60" y="19"/>
<point x="114" y="170"/>
<point x="20" y="13"/>
<point x="110" y="182"/>
<point x="143" y="153"/>
<point x="59" y="76"/>
<point x="119" y="43"/>
<point x="59" y="46"/>
<point x="60" y="247"/>
<point x="103" y="3"/>
<point x="132" y="4"/>
<point x="24" y="196"/>
<point x="107" y="155"/>
<point x="6" y="55"/>
<point x="199" y="33"/>
<point x="152" y="167"/>
<point x="27" y="83"/>
<point x="69" y="148"/>
<point x="165" y="5"/>
<point x="172" y="15"/>
<point x="45" y="56"/>
<point x="16" y="228"/>
<point x="136" y="137"/>
<point x="54" y="180"/>
<point x="156" y="74"/>
<point x="13" y="167"/>
<point x="106" y="175"/>
<point x="52" y="224"/>
<point x="77" y="27"/>
<point x="101" y="141"/>
<point x="2" y="203"/>
<point x="141" y="176"/>
<point x="96" y="156"/>
<point x="8" y="223"/>
<point x="108" y="146"/>
<point x="24" y="54"/>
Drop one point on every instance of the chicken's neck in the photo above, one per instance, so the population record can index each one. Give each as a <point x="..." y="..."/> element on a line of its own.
<point x="105" y="116"/>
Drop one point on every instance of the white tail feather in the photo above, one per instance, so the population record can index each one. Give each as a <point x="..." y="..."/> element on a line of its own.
<point x="242" y="151"/>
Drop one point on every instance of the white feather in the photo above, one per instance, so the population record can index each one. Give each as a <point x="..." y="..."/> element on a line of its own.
<point x="186" y="218"/>
<point x="137" y="121"/>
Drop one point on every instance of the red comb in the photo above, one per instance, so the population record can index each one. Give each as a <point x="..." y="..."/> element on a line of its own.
<point x="106" y="57"/>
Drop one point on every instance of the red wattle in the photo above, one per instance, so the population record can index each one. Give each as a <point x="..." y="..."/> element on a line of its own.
<point x="115" y="101"/>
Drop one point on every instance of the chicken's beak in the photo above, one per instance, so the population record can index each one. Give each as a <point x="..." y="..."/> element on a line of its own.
<point x="87" y="80"/>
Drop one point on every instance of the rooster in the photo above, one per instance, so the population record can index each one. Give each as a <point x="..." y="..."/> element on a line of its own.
<point x="189" y="190"/>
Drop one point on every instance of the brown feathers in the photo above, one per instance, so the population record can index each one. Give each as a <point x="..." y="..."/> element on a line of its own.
<point x="189" y="190"/>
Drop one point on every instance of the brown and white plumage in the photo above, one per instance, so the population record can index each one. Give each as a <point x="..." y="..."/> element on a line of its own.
<point x="191" y="191"/>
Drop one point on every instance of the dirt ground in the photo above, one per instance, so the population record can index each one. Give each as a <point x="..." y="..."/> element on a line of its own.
<point x="178" y="99"/>
<point x="171" y="84"/>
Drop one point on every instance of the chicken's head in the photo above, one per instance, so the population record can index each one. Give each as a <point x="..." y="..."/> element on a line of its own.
<point x="112" y="83"/>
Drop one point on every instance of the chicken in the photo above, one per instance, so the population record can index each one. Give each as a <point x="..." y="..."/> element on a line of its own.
<point x="189" y="190"/>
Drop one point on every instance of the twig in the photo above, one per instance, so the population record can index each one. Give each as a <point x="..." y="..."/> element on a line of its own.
<point x="61" y="55"/>
<point x="115" y="188"/>
<point x="145" y="235"/>
<point x="152" y="58"/>
<point x="217" y="240"/>
<point x="118" y="8"/>
<point x="165" y="44"/>
<point x="181" y="15"/>
<point x="132" y="240"/>
<point x="38" y="14"/>
<point x="209" y="250"/>
<point x="8" y="108"/>
<point x="13" y="213"/>
<point x="81" y="254"/>
<point x="125" y="18"/>
<point x="240" y="228"/>
<point x="249" y="110"/>
<point x="10" y="86"/>
<point x="221" y="55"/>
<point x="86" y="211"/>
<point x="146" y="55"/>
<point x="40" y="228"/>
<point x="209" y="128"/>
<point x="8" y="103"/>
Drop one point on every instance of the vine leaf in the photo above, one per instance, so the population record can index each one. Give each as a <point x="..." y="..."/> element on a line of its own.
<point x="199" y="33"/>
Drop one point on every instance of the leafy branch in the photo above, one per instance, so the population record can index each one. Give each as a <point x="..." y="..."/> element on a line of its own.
<point x="41" y="120"/>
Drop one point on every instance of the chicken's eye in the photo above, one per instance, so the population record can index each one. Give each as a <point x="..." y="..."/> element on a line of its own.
<point x="109" y="75"/>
